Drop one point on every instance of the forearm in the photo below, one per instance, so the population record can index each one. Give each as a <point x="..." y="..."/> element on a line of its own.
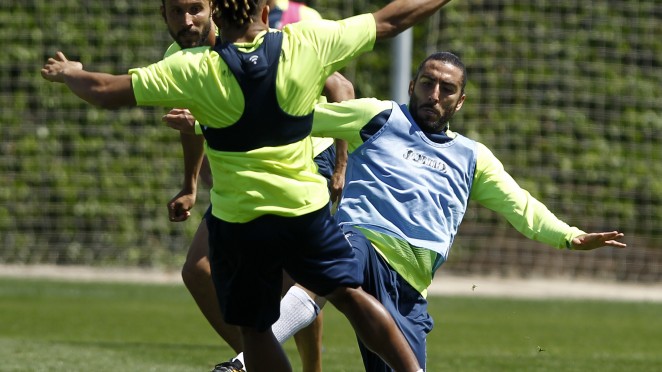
<point x="100" y="89"/>
<point x="193" y="150"/>
<point x="337" y="88"/>
<point x="400" y="15"/>
<point x="341" y="156"/>
<point x="495" y="189"/>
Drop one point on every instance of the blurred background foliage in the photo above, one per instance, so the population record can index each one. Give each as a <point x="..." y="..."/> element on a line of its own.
<point x="568" y="95"/>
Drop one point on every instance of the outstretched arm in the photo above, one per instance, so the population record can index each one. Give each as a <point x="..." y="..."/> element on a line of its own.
<point x="400" y="15"/>
<point x="100" y="89"/>
<point x="495" y="189"/>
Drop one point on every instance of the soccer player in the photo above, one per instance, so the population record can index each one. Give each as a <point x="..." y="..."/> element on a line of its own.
<point x="190" y="25"/>
<point x="409" y="180"/>
<point x="255" y="93"/>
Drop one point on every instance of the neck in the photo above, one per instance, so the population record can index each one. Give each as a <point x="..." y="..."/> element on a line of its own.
<point x="211" y="38"/>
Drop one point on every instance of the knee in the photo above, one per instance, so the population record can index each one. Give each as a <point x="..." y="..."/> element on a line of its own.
<point x="196" y="272"/>
<point x="343" y="296"/>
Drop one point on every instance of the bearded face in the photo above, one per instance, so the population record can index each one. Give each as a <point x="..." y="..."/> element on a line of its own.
<point x="189" y="21"/>
<point x="435" y="95"/>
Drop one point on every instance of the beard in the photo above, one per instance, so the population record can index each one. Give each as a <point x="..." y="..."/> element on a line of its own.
<point x="428" y="117"/>
<point x="184" y="42"/>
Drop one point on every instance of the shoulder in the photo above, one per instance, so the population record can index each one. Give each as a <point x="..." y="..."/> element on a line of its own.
<point x="307" y="13"/>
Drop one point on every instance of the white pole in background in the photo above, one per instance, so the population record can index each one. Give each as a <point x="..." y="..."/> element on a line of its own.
<point x="401" y="54"/>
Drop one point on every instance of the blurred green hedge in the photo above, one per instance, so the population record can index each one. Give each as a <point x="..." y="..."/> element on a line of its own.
<point x="567" y="95"/>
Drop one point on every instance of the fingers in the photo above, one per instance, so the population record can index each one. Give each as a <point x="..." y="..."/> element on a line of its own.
<point x="60" y="56"/>
<point x="615" y="244"/>
<point x="179" y="122"/>
<point x="181" y="217"/>
<point x="177" y="214"/>
<point x="171" y="211"/>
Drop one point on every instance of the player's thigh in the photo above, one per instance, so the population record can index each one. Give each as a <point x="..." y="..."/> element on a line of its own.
<point x="198" y="251"/>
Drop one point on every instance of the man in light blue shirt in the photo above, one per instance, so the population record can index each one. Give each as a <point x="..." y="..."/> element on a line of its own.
<point x="409" y="180"/>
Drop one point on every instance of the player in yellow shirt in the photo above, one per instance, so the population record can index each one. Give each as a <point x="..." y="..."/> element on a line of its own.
<point x="190" y="25"/>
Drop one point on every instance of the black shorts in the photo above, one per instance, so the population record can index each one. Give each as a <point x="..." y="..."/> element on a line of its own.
<point x="247" y="262"/>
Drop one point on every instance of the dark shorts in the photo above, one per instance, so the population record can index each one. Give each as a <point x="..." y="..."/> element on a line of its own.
<point x="406" y="305"/>
<point x="326" y="162"/>
<point x="207" y="213"/>
<point x="247" y="262"/>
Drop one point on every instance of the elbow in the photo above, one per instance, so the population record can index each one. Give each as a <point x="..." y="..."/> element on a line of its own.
<point x="338" y="88"/>
<point x="388" y="30"/>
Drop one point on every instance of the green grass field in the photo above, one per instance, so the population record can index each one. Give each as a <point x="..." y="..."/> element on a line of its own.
<point x="68" y="326"/>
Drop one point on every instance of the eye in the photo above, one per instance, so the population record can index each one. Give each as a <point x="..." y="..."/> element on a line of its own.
<point x="427" y="83"/>
<point x="451" y="89"/>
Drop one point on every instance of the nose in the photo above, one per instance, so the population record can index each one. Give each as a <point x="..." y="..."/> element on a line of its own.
<point x="435" y="93"/>
<point x="188" y="18"/>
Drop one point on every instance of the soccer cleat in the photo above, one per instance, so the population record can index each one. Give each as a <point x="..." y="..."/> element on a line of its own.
<point x="229" y="366"/>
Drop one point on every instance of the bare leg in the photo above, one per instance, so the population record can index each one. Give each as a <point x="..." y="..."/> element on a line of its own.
<point x="263" y="353"/>
<point x="375" y="327"/>
<point x="309" y="338"/>
<point x="309" y="345"/>
<point x="196" y="274"/>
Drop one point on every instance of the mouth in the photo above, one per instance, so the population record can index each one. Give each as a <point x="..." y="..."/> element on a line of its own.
<point x="189" y="38"/>
<point x="431" y="111"/>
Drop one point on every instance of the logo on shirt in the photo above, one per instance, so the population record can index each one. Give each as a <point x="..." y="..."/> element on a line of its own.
<point x="253" y="59"/>
<point x="424" y="160"/>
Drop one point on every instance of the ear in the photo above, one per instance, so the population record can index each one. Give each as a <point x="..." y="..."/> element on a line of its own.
<point x="460" y="103"/>
<point x="411" y="87"/>
<point x="265" y="15"/>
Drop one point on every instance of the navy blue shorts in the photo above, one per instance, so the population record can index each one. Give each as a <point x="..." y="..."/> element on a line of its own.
<point x="207" y="213"/>
<point x="326" y="162"/>
<point x="406" y="305"/>
<point x="247" y="262"/>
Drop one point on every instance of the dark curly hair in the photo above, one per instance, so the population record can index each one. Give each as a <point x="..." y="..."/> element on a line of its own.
<point x="237" y="12"/>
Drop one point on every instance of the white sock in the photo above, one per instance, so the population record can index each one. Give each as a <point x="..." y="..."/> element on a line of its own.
<point x="297" y="310"/>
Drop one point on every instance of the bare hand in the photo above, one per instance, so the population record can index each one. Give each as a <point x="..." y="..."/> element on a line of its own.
<point x="55" y="68"/>
<point x="337" y="185"/>
<point x="179" y="206"/>
<point x="181" y="120"/>
<point x="597" y="240"/>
